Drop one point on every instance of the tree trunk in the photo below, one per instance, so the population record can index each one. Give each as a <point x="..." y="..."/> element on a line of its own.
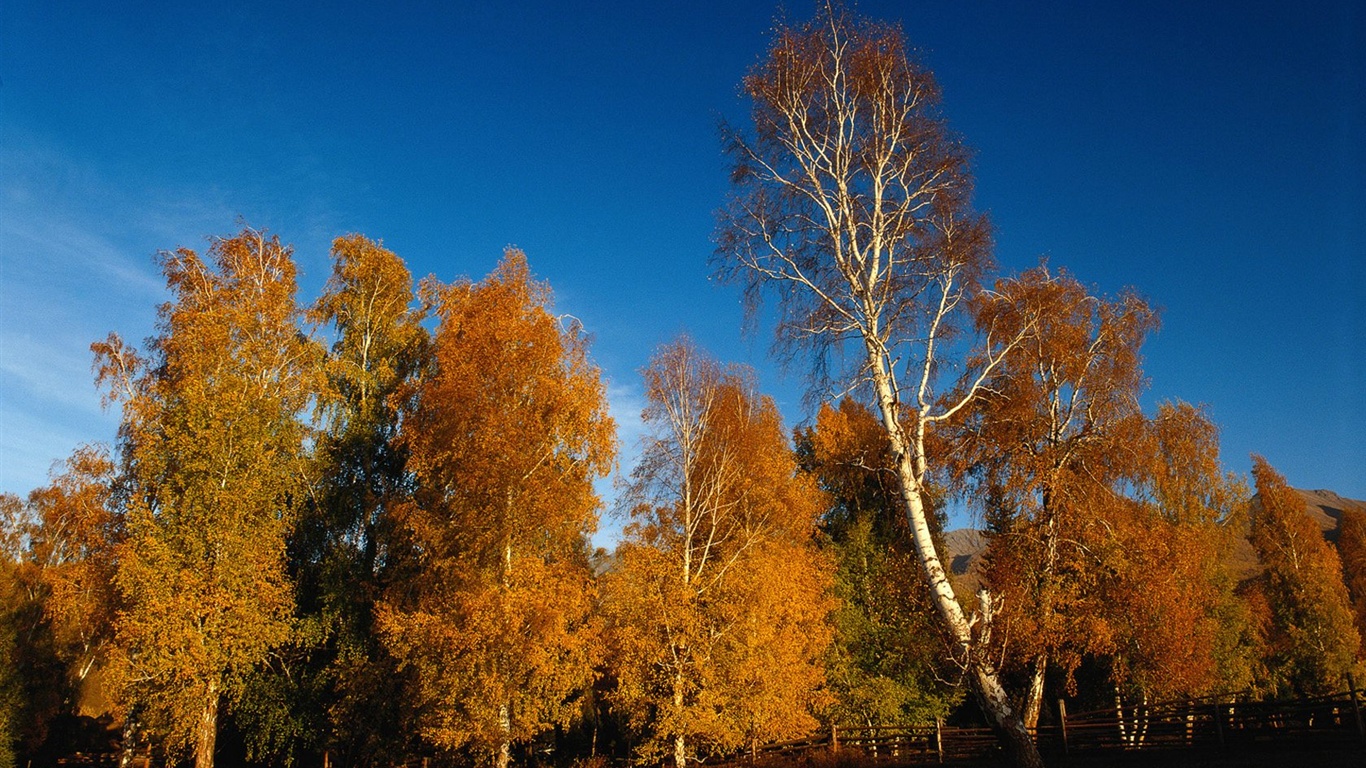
<point x="1007" y="723"/>
<point x="680" y="744"/>
<point x="505" y="735"/>
<point x="128" y="732"/>
<point x="206" y="735"/>
<point x="1119" y="717"/>
<point x="1034" y="699"/>
<point x="910" y="461"/>
<point x="1009" y="726"/>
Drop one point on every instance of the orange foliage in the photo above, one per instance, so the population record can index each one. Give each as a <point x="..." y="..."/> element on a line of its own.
<point x="717" y="599"/>
<point x="1312" y="642"/>
<point x="1352" y="550"/>
<point x="887" y="665"/>
<point x="1046" y="447"/>
<point x="74" y="541"/>
<point x="505" y="434"/>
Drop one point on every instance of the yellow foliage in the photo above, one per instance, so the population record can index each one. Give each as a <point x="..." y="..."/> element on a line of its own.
<point x="213" y="452"/>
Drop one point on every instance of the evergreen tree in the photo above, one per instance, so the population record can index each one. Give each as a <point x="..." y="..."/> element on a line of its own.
<point x="886" y="660"/>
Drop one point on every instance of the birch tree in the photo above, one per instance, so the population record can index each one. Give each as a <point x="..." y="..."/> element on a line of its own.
<point x="1048" y="444"/>
<point x="1352" y="551"/>
<point x="851" y="203"/>
<point x="717" y="600"/>
<point x="335" y="688"/>
<point x="212" y="449"/>
<point x="73" y="544"/>
<point x="505" y="435"/>
<point x="13" y="601"/>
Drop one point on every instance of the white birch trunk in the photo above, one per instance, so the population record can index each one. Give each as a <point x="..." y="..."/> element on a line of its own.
<point x="1034" y="699"/>
<point x="985" y="678"/>
<point x="206" y="732"/>
<point x="505" y="733"/>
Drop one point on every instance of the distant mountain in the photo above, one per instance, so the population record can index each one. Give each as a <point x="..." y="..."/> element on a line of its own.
<point x="966" y="545"/>
<point x="1327" y="507"/>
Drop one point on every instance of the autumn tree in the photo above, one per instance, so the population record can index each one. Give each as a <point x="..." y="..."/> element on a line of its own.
<point x="1352" y="551"/>
<point x="1171" y="621"/>
<point x="1199" y="512"/>
<point x="337" y="690"/>
<point x="885" y="665"/>
<point x="76" y="532"/>
<point x="851" y="203"/>
<point x="1312" y="642"/>
<point x="1047" y="443"/>
<point x="505" y="436"/>
<point x="213" y="453"/>
<point x="716" y="599"/>
<point x="57" y="600"/>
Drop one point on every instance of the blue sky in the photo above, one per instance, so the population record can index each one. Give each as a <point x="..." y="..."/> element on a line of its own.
<point x="1210" y="157"/>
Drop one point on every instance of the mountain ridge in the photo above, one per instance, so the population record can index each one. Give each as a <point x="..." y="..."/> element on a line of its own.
<point x="965" y="546"/>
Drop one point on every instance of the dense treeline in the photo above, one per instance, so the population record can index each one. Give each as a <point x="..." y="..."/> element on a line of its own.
<point x="379" y="547"/>
<point x="358" y="530"/>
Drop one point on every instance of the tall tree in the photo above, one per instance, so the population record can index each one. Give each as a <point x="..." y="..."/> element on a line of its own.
<point x="885" y="665"/>
<point x="851" y="202"/>
<point x="505" y="437"/>
<point x="1047" y="443"/>
<point x="1201" y="512"/>
<point x="717" y="599"/>
<point x="336" y="690"/>
<point x="57" y="595"/>
<point x="213" y="454"/>
<point x="1312" y="642"/>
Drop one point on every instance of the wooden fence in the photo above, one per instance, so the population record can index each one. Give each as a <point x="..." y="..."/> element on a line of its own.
<point x="1229" y="722"/>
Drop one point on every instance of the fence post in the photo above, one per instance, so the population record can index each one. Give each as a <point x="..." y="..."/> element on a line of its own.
<point x="939" y="738"/>
<point x="1062" y="722"/>
<point x="1219" y="722"/>
<point x="1356" y="705"/>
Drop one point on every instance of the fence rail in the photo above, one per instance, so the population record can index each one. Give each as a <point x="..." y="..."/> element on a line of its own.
<point x="1213" y="722"/>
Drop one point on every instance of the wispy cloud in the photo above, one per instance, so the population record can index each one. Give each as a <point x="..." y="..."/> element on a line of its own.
<point x="624" y="403"/>
<point x="77" y="262"/>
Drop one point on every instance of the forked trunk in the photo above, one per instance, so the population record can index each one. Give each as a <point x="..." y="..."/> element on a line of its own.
<point x="1007" y="723"/>
<point x="1132" y="732"/>
<point x="206" y="732"/>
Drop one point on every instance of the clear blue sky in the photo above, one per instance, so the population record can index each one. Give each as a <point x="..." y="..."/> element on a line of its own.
<point x="1210" y="157"/>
